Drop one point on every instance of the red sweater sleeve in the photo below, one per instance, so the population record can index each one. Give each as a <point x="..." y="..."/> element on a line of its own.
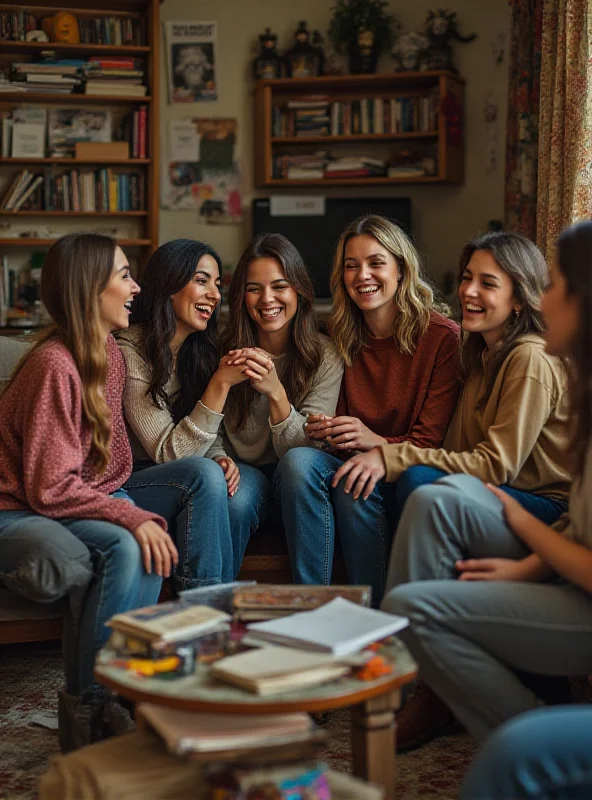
<point x="432" y="422"/>
<point x="52" y="452"/>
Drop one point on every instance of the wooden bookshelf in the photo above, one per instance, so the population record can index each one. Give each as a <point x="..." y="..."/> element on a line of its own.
<point x="144" y="238"/>
<point x="443" y="143"/>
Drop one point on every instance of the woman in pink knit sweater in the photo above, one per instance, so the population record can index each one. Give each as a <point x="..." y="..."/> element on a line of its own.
<point x="65" y="459"/>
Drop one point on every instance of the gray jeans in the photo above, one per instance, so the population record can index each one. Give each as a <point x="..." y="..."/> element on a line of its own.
<point x="469" y="637"/>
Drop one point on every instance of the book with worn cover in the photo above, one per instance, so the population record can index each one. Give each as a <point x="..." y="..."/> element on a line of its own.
<point x="338" y="627"/>
<point x="270" y="670"/>
<point x="188" y="732"/>
<point x="168" y="622"/>
<point x="268" y="601"/>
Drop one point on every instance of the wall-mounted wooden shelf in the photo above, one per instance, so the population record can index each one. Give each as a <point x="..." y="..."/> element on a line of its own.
<point x="73" y="213"/>
<point x="443" y="142"/>
<point x="74" y="162"/>
<point x="25" y="241"/>
<point x="66" y="50"/>
<point x="58" y="99"/>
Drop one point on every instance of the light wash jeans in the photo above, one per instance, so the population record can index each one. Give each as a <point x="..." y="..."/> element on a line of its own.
<point x="469" y="638"/>
<point x="545" y="754"/>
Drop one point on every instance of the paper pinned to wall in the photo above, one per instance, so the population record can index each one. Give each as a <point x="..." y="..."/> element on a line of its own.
<point x="207" y="176"/>
<point x="191" y="60"/>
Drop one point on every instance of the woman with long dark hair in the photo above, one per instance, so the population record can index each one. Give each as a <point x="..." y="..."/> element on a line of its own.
<point x="495" y="589"/>
<point x="176" y="389"/>
<point x="65" y="460"/>
<point x="292" y="371"/>
<point x="400" y="385"/>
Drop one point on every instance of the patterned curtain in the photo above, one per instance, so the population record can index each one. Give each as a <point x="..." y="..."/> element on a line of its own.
<point x="523" y="116"/>
<point x="565" y="119"/>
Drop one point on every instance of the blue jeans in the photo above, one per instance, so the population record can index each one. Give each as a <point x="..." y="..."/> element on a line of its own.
<point x="250" y="506"/>
<point x="120" y="584"/>
<point x="190" y="493"/>
<point x="544" y="754"/>
<point x="544" y="508"/>
<point x="312" y="511"/>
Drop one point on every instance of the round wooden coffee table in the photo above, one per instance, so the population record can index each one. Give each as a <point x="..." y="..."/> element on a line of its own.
<point x="373" y="704"/>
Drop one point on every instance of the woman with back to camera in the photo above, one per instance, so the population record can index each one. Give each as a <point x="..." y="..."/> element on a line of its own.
<point x="292" y="370"/>
<point x="65" y="459"/>
<point x="501" y="591"/>
<point x="400" y="385"/>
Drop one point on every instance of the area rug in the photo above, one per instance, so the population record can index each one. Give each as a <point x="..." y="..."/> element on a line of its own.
<point x="31" y="674"/>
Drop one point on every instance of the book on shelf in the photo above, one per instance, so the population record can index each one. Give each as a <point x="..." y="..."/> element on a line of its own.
<point x="268" y="601"/>
<point x="363" y="116"/>
<point x="271" y="670"/>
<point x="168" y="622"/>
<point x="103" y="190"/>
<point x="185" y="732"/>
<point x="28" y="132"/>
<point x="14" y="26"/>
<point x="338" y="627"/>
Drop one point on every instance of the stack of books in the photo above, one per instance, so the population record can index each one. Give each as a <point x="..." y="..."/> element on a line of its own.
<point x="356" y="167"/>
<point x="56" y="76"/>
<point x="307" y="648"/>
<point x="304" y="116"/>
<point x="114" y="76"/>
<point x="300" y="167"/>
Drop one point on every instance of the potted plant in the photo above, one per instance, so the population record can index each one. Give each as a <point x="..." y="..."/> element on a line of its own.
<point x="362" y="28"/>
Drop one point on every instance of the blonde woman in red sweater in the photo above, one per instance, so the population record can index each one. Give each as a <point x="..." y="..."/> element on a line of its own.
<point x="400" y="384"/>
<point x="65" y="461"/>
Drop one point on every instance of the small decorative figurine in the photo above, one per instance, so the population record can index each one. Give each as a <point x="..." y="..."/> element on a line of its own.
<point x="268" y="63"/>
<point x="305" y="60"/>
<point x="440" y="27"/>
<point x="409" y="51"/>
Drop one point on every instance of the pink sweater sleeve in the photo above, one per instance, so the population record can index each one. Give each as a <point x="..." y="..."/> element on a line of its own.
<point x="53" y="456"/>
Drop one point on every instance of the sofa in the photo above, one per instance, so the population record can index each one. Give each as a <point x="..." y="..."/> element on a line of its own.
<point x="38" y="576"/>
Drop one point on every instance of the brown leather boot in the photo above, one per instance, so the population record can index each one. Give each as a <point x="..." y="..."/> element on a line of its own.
<point x="422" y="718"/>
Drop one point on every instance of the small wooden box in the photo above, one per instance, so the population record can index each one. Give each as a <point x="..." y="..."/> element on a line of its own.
<point x="112" y="151"/>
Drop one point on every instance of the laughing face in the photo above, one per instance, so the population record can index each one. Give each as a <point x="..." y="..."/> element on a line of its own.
<point x="196" y="302"/>
<point x="370" y="273"/>
<point x="486" y="294"/>
<point x="115" y="301"/>
<point x="270" y="300"/>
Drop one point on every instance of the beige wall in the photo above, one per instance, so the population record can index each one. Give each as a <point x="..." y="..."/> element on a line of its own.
<point x="443" y="216"/>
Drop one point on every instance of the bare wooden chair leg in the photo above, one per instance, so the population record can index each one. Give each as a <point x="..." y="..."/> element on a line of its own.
<point x="373" y="741"/>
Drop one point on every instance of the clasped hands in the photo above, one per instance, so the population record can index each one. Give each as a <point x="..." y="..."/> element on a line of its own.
<point x="252" y="364"/>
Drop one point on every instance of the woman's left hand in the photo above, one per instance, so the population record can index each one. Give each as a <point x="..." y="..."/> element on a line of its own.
<point x="350" y="433"/>
<point x="516" y="516"/>
<point x="231" y="473"/>
<point x="259" y="368"/>
<point x="363" y="473"/>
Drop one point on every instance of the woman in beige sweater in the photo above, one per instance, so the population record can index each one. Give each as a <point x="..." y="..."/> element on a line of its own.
<point x="509" y="427"/>
<point x="490" y="589"/>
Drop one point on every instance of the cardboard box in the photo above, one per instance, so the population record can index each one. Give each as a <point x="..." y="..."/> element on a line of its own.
<point x="107" y="150"/>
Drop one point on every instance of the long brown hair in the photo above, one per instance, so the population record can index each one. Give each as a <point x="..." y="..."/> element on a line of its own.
<point x="75" y="272"/>
<point x="524" y="263"/>
<point x="305" y="346"/>
<point x="414" y="297"/>
<point x="574" y="258"/>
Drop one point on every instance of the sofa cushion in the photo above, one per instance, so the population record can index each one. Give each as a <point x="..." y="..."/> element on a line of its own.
<point x="14" y="608"/>
<point x="11" y="352"/>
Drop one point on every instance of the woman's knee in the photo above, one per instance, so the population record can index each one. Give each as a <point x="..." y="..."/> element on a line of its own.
<point x="413" y="478"/>
<point x="301" y="465"/>
<point x="197" y="472"/>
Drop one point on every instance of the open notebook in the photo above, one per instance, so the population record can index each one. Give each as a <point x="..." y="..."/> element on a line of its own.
<point x="338" y="627"/>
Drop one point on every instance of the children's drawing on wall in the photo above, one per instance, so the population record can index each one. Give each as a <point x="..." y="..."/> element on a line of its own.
<point x="203" y="172"/>
<point x="191" y="49"/>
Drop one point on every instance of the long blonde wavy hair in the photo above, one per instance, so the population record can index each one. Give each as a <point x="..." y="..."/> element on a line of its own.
<point x="75" y="272"/>
<point x="414" y="296"/>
